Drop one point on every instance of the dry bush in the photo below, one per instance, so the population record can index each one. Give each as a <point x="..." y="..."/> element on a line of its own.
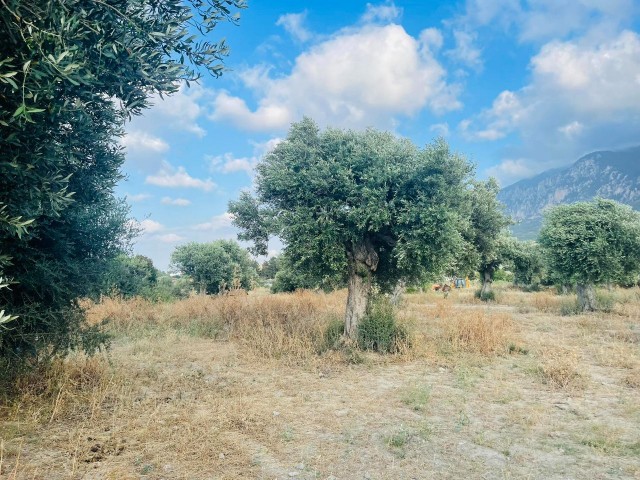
<point x="453" y="329"/>
<point x="76" y="387"/>
<point x="284" y="326"/>
<point x="560" y="369"/>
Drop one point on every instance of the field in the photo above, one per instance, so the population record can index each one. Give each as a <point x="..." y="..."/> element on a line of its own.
<point x="223" y="388"/>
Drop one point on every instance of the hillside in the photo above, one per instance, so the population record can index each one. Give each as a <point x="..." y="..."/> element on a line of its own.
<point x="608" y="174"/>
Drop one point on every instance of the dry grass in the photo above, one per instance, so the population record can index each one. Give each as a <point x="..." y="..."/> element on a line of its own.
<point x="236" y="388"/>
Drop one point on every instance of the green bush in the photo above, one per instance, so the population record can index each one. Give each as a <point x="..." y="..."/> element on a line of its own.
<point x="605" y="301"/>
<point x="379" y="330"/>
<point x="333" y="334"/>
<point x="488" y="296"/>
<point x="569" y="307"/>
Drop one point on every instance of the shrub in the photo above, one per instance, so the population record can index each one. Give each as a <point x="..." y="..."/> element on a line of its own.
<point x="488" y="296"/>
<point x="379" y="330"/>
<point x="333" y="334"/>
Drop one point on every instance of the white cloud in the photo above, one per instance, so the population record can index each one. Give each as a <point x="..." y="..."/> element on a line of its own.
<point x="385" y="13"/>
<point x="359" y="77"/>
<point x="510" y="170"/>
<point x="179" y="179"/>
<point x="149" y="226"/>
<point x="181" y="110"/>
<point x="170" y="238"/>
<point x="431" y="38"/>
<point x="217" y="223"/>
<point x="465" y="52"/>
<point x="139" y="197"/>
<point x="136" y="141"/>
<point x="583" y="96"/>
<point x="293" y="23"/>
<point x="440" y="129"/>
<point x="228" y="163"/>
<point x="572" y="129"/>
<point x="180" y="202"/>
<point x="543" y="20"/>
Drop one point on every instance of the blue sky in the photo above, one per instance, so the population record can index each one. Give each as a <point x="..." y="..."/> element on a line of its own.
<point x="517" y="86"/>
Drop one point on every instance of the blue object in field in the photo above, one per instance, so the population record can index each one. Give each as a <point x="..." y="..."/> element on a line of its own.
<point x="460" y="283"/>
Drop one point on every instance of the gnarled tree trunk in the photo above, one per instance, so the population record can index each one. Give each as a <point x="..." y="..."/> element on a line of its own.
<point x="363" y="261"/>
<point x="487" y="280"/>
<point x="586" y="297"/>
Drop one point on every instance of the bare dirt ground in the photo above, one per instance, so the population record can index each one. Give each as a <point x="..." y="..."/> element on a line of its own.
<point x="558" y="398"/>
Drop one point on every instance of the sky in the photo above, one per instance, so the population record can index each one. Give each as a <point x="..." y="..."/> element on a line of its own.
<point x="516" y="86"/>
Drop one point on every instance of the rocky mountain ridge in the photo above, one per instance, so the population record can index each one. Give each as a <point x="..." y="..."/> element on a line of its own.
<point x="608" y="174"/>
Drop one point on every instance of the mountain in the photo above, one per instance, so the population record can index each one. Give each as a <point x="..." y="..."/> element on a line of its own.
<point x="607" y="174"/>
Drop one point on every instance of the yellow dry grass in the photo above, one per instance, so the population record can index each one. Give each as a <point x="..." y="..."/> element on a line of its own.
<point x="236" y="388"/>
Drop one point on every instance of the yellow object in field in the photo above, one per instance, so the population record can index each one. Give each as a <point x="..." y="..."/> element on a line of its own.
<point x="467" y="283"/>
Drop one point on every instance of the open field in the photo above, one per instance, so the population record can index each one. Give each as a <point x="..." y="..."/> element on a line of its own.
<point x="222" y="388"/>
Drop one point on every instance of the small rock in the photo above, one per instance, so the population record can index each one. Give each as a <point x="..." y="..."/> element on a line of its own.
<point x="300" y="466"/>
<point x="275" y="414"/>
<point x="293" y="474"/>
<point x="332" y="477"/>
<point x="221" y="456"/>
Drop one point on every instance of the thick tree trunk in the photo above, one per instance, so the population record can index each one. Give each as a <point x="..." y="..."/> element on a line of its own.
<point x="586" y="297"/>
<point x="487" y="280"/>
<point x="363" y="261"/>
<point x="398" y="291"/>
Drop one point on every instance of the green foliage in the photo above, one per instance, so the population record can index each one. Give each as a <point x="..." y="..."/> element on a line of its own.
<point x="379" y="330"/>
<point x="484" y="250"/>
<point x="214" y="265"/>
<point x="592" y="242"/>
<point x="366" y="203"/>
<point x="486" y="296"/>
<point x="526" y="259"/>
<point x="333" y="335"/>
<point x="71" y="73"/>
<point x="270" y="267"/>
<point x="130" y="276"/>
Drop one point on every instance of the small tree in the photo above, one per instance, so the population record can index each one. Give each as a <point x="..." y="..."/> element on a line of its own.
<point x="215" y="265"/>
<point x="486" y="231"/>
<point x="590" y="243"/>
<point x="361" y="205"/>
<point x="526" y="261"/>
<point x="130" y="276"/>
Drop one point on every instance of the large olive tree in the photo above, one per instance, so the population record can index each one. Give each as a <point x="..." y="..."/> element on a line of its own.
<point x="71" y="73"/>
<point x="590" y="243"/>
<point x="367" y="206"/>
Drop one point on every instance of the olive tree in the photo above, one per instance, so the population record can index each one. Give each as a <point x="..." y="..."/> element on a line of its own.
<point x="71" y="73"/>
<point x="590" y="243"/>
<point x="365" y="206"/>
<point x="486" y="232"/>
<point x="216" y="265"/>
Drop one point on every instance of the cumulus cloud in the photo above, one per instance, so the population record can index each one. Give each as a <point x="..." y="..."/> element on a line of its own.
<point x="228" y="163"/>
<point x="179" y="178"/>
<point x="180" y="202"/>
<point x="136" y="141"/>
<point x="465" y="51"/>
<point x="440" y="129"/>
<point x="149" y="226"/>
<point x="293" y="23"/>
<point x="583" y="96"/>
<point x="385" y="13"/>
<point x="138" y="197"/>
<point x="365" y="76"/>
<point x="543" y="20"/>
<point x="219" y="223"/>
<point x="170" y="238"/>
<point x="511" y="170"/>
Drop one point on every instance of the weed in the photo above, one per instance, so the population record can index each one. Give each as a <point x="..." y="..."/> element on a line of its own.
<point x="417" y="397"/>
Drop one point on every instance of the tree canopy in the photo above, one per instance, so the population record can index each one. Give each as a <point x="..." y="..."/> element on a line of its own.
<point x="217" y="265"/>
<point x="71" y="72"/>
<point x="590" y="243"/>
<point x="364" y="206"/>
